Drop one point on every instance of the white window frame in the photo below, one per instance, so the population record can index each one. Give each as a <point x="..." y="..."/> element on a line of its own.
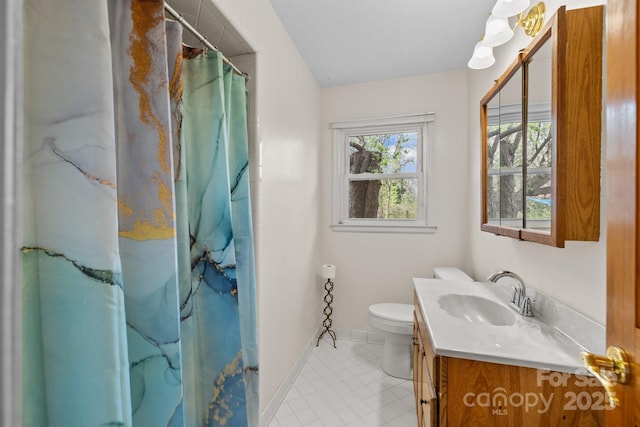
<point x="424" y="222"/>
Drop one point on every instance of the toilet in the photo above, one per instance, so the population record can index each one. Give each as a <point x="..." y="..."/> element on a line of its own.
<point x="395" y="323"/>
<point x="451" y="273"/>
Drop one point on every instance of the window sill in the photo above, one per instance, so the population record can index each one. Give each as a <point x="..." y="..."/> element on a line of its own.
<point x="413" y="229"/>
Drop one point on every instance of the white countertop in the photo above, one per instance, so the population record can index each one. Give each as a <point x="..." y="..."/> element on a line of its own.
<point x="528" y="342"/>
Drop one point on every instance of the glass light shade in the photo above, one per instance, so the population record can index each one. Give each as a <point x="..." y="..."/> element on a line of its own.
<point x="482" y="57"/>
<point x="497" y="31"/>
<point x="507" y="8"/>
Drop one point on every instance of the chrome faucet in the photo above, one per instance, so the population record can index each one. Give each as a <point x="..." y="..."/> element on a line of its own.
<point x="519" y="301"/>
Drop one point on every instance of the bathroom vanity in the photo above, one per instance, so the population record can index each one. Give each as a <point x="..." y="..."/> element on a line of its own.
<point x="475" y="368"/>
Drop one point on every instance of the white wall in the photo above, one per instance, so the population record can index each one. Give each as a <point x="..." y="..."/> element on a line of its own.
<point x="574" y="274"/>
<point x="378" y="267"/>
<point x="286" y="207"/>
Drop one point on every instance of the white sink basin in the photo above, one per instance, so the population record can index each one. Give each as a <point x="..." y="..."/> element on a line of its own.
<point x="475" y="309"/>
<point x="471" y="320"/>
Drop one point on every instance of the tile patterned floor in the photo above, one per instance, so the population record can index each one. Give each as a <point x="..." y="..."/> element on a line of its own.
<point x="346" y="387"/>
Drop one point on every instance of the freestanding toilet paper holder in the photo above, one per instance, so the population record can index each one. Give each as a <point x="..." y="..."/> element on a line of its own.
<point x="328" y="272"/>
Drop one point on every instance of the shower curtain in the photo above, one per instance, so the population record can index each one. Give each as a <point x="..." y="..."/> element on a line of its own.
<point x="138" y="273"/>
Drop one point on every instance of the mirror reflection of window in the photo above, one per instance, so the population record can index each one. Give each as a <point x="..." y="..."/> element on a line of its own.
<point x="493" y="161"/>
<point x="539" y="147"/>
<point x="511" y="152"/>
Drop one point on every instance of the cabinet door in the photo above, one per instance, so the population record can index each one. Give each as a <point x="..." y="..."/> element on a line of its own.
<point x="418" y="355"/>
<point x="492" y="162"/>
<point x="510" y="154"/>
<point x="424" y="388"/>
<point x="502" y="151"/>
<point x="540" y="194"/>
<point x="428" y="404"/>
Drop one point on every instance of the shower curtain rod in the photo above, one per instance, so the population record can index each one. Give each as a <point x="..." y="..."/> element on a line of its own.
<point x="202" y="38"/>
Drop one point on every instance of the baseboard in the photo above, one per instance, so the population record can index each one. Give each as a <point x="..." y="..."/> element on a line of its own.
<point x="341" y="334"/>
<point x="359" y="336"/>
<point x="271" y="409"/>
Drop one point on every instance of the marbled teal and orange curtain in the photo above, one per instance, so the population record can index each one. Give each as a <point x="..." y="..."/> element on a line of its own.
<point x="221" y="256"/>
<point x="138" y="290"/>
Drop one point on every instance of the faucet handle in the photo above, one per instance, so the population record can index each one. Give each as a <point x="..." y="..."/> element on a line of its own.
<point x="516" y="296"/>
<point x="527" y="308"/>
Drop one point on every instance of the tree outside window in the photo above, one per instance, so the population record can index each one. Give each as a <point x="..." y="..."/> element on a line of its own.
<point x="506" y="183"/>
<point x="389" y="153"/>
<point x="380" y="173"/>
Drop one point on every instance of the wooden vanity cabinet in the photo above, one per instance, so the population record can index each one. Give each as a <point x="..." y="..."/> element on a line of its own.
<point x="454" y="392"/>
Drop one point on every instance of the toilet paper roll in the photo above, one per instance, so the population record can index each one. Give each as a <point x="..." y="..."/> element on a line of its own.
<point x="328" y="271"/>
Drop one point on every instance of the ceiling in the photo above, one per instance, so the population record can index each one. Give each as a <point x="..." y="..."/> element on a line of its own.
<point x="353" y="41"/>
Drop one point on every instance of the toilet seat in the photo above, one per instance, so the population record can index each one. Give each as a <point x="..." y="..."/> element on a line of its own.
<point x="391" y="317"/>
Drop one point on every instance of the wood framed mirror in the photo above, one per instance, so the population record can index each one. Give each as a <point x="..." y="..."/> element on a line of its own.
<point x="502" y="174"/>
<point x="541" y="134"/>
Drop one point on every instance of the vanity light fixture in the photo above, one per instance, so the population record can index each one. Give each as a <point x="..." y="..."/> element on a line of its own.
<point x="531" y="22"/>
<point x="507" y="8"/>
<point x="498" y="30"/>
<point x="482" y="56"/>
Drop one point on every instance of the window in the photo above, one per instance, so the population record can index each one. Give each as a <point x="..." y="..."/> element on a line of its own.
<point x="380" y="174"/>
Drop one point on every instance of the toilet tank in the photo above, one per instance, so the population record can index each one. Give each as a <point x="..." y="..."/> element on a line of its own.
<point x="451" y="273"/>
